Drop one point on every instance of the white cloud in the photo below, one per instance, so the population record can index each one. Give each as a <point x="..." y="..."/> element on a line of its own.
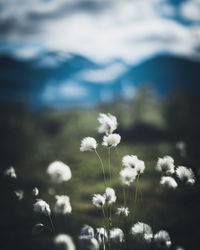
<point x="190" y="10"/>
<point x="103" y="75"/>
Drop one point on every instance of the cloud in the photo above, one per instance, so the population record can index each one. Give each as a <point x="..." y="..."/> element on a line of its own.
<point x="129" y="30"/>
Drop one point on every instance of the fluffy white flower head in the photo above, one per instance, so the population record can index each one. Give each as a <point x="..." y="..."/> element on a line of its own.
<point x="123" y="211"/>
<point x="98" y="200"/>
<point x="111" y="140"/>
<point x="40" y="206"/>
<point x="59" y="172"/>
<point x="162" y="239"/>
<point x="169" y="182"/>
<point x="116" y="235"/>
<point x="108" y="123"/>
<point x="19" y="194"/>
<point x="185" y="174"/>
<point x="166" y="165"/>
<point x="132" y="161"/>
<point x="62" y="205"/>
<point x="142" y="232"/>
<point x="127" y="175"/>
<point x="110" y="195"/>
<point x="10" y="172"/>
<point x="64" y="242"/>
<point x="88" y="144"/>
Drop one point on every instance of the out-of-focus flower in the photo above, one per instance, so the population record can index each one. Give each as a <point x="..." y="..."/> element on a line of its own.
<point x="185" y="175"/>
<point x="169" y="182"/>
<point x="87" y="230"/>
<point x="88" y="144"/>
<point x="111" y="140"/>
<point x="165" y="165"/>
<point x="10" y="172"/>
<point x="64" y="242"/>
<point x="132" y="161"/>
<point x="123" y="211"/>
<point x="142" y="232"/>
<point x="35" y="191"/>
<point x="101" y="235"/>
<point x="116" y="235"/>
<point x="59" y="172"/>
<point x="179" y="248"/>
<point x="88" y="243"/>
<point x="37" y="228"/>
<point x="19" y="194"/>
<point x="181" y="146"/>
<point x="162" y="239"/>
<point x="110" y="195"/>
<point x="62" y="205"/>
<point x="127" y="175"/>
<point x="40" y="206"/>
<point x="98" y="200"/>
<point x="108" y="123"/>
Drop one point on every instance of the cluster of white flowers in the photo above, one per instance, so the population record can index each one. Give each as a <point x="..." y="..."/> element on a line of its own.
<point x="166" y="165"/>
<point x="64" y="242"/>
<point x="142" y="232"/>
<point x="111" y="140"/>
<point x="98" y="200"/>
<point x="62" y="205"/>
<point x="132" y="161"/>
<point x="108" y="123"/>
<point x="123" y="211"/>
<point x="101" y="235"/>
<point x="40" y="206"/>
<point x="59" y="172"/>
<point x="185" y="175"/>
<point x="10" y="172"/>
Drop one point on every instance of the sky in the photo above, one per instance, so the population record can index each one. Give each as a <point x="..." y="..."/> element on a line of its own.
<point x="115" y="35"/>
<point x="101" y="30"/>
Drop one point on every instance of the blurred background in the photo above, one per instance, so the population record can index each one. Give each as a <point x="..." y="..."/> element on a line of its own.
<point x="64" y="61"/>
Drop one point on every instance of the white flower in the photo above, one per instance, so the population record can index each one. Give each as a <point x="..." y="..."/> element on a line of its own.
<point x="123" y="211"/>
<point x="10" y="172"/>
<point x="101" y="235"/>
<point x="19" y="194"/>
<point x="98" y="200"/>
<point x="35" y="191"/>
<point x="40" y="206"/>
<point x="110" y="195"/>
<point x="185" y="174"/>
<point x="179" y="248"/>
<point x="168" y="182"/>
<point x="88" y="144"/>
<point x="116" y="235"/>
<point x="133" y="162"/>
<point x="59" y="172"/>
<point x="88" y="243"/>
<point x="87" y="230"/>
<point x="108" y="123"/>
<point x="64" y="242"/>
<point x="162" y="239"/>
<point x="166" y="165"/>
<point x="127" y="175"/>
<point x="142" y="232"/>
<point x="62" y="205"/>
<point x="111" y="140"/>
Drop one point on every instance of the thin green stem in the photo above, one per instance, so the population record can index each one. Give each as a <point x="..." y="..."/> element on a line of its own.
<point x="136" y="193"/>
<point x="102" y="166"/>
<point x="53" y="229"/>
<point x="109" y="165"/>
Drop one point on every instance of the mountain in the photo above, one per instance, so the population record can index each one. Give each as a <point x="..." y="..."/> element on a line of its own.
<point x="64" y="80"/>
